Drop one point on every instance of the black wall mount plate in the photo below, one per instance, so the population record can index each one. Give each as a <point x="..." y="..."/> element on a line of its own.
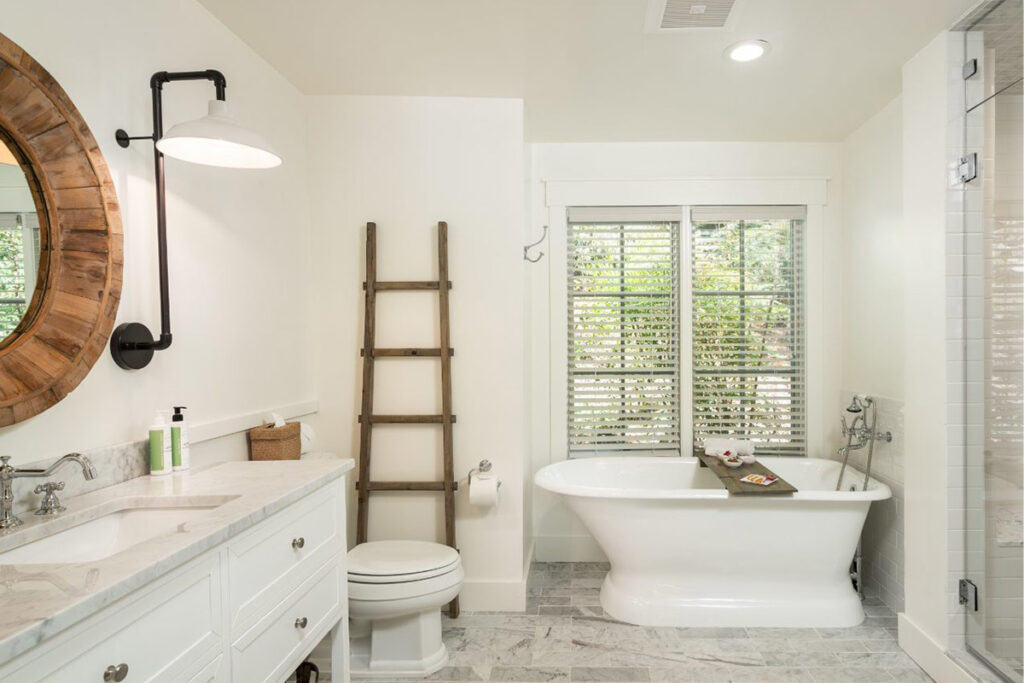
<point x="124" y="344"/>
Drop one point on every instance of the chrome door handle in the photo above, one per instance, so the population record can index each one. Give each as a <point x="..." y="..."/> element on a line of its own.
<point x="116" y="673"/>
<point x="301" y="622"/>
<point x="299" y="542"/>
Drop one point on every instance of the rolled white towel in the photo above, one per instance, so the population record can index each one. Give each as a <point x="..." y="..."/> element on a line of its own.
<point x="743" y="447"/>
<point x="717" y="446"/>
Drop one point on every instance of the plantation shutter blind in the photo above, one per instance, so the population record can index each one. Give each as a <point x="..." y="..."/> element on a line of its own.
<point x="12" y="266"/>
<point x="12" y="271"/>
<point x="623" y="321"/>
<point x="749" y="350"/>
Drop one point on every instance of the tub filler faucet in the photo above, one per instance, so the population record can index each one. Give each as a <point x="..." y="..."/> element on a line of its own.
<point x="860" y="433"/>
<point x="50" y="505"/>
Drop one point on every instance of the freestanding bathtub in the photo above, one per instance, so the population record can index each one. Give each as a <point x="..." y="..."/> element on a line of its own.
<point x="684" y="552"/>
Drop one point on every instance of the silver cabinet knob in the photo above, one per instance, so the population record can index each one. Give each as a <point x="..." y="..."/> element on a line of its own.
<point x="116" y="673"/>
<point x="299" y="542"/>
<point x="301" y="622"/>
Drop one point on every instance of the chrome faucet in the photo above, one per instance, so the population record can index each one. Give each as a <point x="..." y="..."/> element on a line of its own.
<point x="8" y="474"/>
<point x="865" y="434"/>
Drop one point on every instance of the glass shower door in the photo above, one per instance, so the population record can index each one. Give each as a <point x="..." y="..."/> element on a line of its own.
<point x="993" y="276"/>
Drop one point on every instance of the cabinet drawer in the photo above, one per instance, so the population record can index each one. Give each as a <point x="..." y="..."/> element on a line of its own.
<point x="267" y="562"/>
<point x="160" y="633"/>
<point x="276" y="645"/>
<point x="211" y="673"/>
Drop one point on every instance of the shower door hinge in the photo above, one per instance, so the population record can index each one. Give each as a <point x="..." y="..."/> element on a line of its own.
<point x="969" y="594"/>
<point x="970" y="68"/>
<point x="968" y="168"/>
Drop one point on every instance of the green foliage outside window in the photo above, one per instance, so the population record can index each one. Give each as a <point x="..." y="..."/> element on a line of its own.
<point x="12" y="281"/>
<point x="747" y="333"/>
<point x="747" y="327"/>
<point x="624" y="310"/>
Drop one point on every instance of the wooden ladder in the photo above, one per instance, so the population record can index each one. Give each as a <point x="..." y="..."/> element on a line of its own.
<point x="367" y="418"/>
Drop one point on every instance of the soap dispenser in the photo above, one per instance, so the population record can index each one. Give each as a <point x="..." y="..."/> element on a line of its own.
<point x="180" y="456"/>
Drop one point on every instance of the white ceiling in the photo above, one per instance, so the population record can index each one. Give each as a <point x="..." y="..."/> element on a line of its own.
<point x="588" y="71"/>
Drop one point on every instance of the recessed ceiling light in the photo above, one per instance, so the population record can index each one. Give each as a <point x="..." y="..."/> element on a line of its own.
<point x="748" y="50"/>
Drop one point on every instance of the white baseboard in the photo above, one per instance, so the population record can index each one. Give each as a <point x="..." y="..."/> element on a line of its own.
<point x="493" y="596"/>
<point x="528" y="559"/>
<point x="567" y="549"/>
<point x="930" y="655"/>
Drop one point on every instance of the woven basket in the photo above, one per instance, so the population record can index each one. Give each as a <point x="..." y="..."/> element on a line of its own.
<point x="275" y="443"/>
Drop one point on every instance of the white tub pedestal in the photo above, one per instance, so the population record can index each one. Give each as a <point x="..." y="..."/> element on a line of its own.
<point x="667" y="602"/>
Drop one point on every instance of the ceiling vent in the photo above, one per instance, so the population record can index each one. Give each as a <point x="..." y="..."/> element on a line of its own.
<point x="685" y="15"/>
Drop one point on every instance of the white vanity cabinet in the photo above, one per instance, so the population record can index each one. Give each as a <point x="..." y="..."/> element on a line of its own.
<point x="248" y="611"/>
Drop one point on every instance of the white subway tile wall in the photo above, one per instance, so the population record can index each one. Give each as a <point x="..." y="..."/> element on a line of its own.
<point x="882" y="565"/>
<point x="985" y="380"/>
<point x="961" y="299"/>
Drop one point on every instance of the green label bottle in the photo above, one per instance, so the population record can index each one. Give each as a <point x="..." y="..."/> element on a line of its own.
<point x="159" y="462"/>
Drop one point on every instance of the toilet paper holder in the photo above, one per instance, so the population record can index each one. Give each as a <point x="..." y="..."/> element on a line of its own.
<point x="482" y="468"/>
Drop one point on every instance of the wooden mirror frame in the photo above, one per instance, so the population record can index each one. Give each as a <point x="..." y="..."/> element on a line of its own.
<point x="66" y="329"/>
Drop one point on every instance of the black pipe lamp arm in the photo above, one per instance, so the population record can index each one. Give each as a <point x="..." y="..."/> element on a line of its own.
<point x="132" y="344"/>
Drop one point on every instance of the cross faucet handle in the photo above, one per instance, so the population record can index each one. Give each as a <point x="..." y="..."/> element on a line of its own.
<point x="50" y="504"/>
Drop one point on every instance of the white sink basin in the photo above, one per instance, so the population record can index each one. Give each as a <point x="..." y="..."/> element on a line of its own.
<point x="113" y="532"/>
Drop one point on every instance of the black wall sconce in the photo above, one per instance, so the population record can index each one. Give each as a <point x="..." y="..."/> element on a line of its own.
<point x="216" y="139"/>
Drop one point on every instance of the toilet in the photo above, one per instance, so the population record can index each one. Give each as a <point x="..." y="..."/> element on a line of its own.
<point x="395" y="593"/>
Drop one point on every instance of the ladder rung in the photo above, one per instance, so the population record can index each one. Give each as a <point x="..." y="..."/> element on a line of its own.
<point x="407" y="486"/>
<point x="406" y="419"/>
<point x="395" y="353"/>
<point x="406" y="285"/>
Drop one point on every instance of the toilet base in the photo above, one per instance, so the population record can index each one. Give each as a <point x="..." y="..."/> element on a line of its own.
<point x="405" y="647"/>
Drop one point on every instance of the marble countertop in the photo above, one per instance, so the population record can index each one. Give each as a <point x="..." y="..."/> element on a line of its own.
<point x="37" y="601"/>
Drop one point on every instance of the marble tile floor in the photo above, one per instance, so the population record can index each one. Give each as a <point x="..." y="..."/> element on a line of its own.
<point x="564" y="635"/>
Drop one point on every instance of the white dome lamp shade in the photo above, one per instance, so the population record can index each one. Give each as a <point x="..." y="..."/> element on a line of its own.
<point x="218" y="139"/>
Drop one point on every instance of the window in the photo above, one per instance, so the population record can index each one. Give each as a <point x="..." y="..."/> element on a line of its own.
<point x="19" y="236"/>
<point x="748" y="326"/>
<point x="623" y="321"/>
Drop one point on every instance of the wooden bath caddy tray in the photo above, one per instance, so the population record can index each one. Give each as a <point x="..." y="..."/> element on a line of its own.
<point x="731" y="478"/>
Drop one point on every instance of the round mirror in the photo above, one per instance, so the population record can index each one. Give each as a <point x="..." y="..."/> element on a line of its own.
<point x="24" y="239"/>
<point x="60" y="241"/>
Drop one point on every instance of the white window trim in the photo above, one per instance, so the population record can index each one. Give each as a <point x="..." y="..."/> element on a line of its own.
<point x="561" y="194"/>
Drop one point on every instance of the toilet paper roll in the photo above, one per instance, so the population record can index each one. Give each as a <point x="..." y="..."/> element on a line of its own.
<point x="483" y="490"/>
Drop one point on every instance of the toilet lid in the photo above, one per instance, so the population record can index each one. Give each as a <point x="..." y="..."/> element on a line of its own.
<point x="394" y="561"/>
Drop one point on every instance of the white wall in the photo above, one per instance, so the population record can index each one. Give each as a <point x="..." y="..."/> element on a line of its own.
<point x="558" y="535"/>
<point x="929" y="114"/>
<point x="406" y="163"/>
<point x="239" y="241"/>
<point x="924" y="183"/>
<point x="873" y="256"/>
<point x="14" y="193"/>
